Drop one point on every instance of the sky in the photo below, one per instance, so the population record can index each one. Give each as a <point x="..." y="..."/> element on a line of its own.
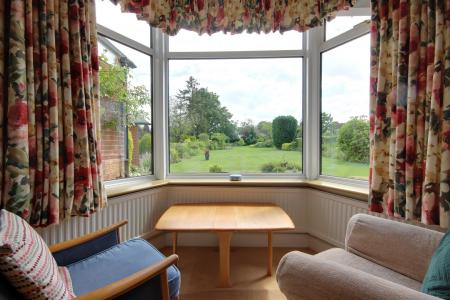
<point x="256" y="89"/>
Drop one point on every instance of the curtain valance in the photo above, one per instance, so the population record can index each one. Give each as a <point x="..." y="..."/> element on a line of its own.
<point x="235" y="16"/>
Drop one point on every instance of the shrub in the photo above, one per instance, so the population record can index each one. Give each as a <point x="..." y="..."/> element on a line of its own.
<point x="220" y="139"/>
<point x="203" y="137"/>
<point x="215" y="169"/>
<point x="146" y="162"/>
<point x="284" y="129"/>
<point x="241" y="142"/>
<point x="288" y="146"/>
<point x="353" y="140"/>
<point x="145" y="143"/>
<point x="174" y="156"/>
<point x="280" y="167"/>
<point x="130" y="148"/>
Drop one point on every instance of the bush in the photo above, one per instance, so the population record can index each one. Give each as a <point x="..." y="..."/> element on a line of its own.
<point x="174" y="156"/>
<point x="353" y="140"/>
<point x="130" y="148"/>
<point x="203" y="137"/>
<point x="280" y="167"/>
<point x="145" y="144"/>
<point x="284" y="129"/>
<point x="215" y="169"/>
<point x="146" y="162"/>
<point x="289" y="146"/>
<point x="264" y="144"/>
<point x="220" y="139"/>
<point x="240" y="143"/>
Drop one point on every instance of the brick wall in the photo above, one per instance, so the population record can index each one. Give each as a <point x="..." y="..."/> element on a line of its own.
<point x="113" y="153"/>
<point x="135" y="134"/>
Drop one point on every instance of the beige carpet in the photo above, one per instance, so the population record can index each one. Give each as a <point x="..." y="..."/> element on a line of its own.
<point x="199" y="269"/>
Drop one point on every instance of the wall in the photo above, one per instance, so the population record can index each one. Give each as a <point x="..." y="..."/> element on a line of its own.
<point x="320" y="217"/>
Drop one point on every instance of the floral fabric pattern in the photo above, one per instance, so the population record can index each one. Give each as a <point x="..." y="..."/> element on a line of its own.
<point x="410" y="110"/>
<point x="235" y="16"/>
<point x="49" y="112"/>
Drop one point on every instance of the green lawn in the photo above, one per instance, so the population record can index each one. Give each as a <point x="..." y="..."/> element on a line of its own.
<point x="249" y="160"/>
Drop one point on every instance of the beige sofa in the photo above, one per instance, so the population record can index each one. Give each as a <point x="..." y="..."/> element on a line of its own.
<point x="383" y="259"/>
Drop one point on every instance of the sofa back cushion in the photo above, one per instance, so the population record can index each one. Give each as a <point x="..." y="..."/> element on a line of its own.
<point x="404" y="248"/>
<point x="437" y="279"/>
<point x="27" y="263"/>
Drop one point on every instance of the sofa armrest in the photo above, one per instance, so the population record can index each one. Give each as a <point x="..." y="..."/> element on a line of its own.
<point x="127" y="284"/>
<point x="77" y="249"/>
<point x="302" y="276"/>
<point x="378" y="240"/>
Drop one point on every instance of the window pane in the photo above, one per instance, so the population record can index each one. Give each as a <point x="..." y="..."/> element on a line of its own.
<point x="341" y="24"/>
<point x="110" y="16"/>
<point x="125" y="85"/>
<point x="221" y="115"/>
<point x="345" y="107"/>
<point x="190" y="41"/>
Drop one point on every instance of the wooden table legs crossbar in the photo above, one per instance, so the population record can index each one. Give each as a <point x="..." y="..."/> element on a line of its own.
<point x="269" y="253"/>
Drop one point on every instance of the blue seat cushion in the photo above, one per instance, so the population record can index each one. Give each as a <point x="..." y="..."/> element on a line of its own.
<point x="119" y="262"/>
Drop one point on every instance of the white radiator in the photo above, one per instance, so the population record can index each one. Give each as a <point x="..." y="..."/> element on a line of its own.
<point x="316" y="213"/>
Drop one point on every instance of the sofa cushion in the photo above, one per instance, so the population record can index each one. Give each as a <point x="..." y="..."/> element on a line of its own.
<point x="117" y="263"/>
<point x="27" y="263"/>
<point x="351" y="260"/>
<point x="437" y="278"/>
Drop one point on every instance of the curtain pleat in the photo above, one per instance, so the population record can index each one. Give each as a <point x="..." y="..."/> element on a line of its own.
<point x="235" y="16"/>
<point x="52" y="161"/>
<point x="410" y="110"/>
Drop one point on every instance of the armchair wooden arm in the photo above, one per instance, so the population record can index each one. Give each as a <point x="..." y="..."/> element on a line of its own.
<point x="86" y="238"/>
<point x="124" y="285"/>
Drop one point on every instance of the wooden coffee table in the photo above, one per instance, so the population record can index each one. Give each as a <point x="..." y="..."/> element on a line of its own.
<point x="224" y="219"/>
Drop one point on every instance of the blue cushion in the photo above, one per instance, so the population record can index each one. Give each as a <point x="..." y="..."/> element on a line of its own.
<point x="82" y="251"/>
<point x="119" y="262"/>
<point x="437" y="279"/>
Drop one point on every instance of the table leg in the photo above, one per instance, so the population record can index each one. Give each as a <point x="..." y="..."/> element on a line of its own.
<point x="174" y="242"/>
<point x="269" y="253"/>
<point x="224" y="253"/>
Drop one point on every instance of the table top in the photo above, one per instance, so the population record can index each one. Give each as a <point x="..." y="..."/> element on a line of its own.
<point x="225" y="217"/>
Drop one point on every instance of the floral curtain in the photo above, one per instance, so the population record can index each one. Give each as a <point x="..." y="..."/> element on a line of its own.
<point x="410" y="110"/>
<point x="50" y="165"/>
<point x="235" y="16"/>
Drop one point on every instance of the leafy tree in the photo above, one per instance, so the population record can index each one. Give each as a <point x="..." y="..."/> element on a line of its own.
<point x="284" y="129"/>
<point x="195" y="110"/>
<point x="116" y="85"/>
<point x="248" y="132"/>
<point x="264" y="129"/>
<point x="145" y="143"/>
<point x="353" y="139"/>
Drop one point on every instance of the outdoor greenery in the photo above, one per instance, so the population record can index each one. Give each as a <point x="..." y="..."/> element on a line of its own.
<point x="124" y="104"/>
<point x="205" y="138"/>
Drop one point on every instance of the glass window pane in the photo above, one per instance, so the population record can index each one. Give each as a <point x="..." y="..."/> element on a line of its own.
<point x="125" y="90"/>
<point x="110" y="16"/>
<point x="222" y="112"/>
<point x="341" y="24"/>
<point x="345" y="110"/>
<point x="190" y="41"/>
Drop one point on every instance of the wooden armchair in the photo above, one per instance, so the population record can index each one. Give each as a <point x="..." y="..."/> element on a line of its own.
<point x="103" y="268"/>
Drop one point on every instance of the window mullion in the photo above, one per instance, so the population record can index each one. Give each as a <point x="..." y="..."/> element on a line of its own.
<point x="311" y="144"/>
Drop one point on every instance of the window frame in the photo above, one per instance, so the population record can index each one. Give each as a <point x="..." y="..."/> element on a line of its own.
<point x="356" y="32"/>
<point x="132" y="44"/>
<point x="313" y="45"/>
<point x="251" y="54"/>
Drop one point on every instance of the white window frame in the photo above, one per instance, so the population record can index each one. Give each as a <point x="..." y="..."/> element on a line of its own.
<point x="357" y="31"/>
<point x="313" y="45"/>
<point x="130" y="43"/>
<point x="252" y="54"/>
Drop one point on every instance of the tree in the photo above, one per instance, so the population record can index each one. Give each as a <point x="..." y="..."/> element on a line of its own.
<point x="284" y="129"/>
<point x="116" y="85"/>
<point x="195" y="110"/>
<point x="248" y="132"/>
<point x="264" y="129"/>
<point x="353" y="139"/>
<point x="145" y="143"/>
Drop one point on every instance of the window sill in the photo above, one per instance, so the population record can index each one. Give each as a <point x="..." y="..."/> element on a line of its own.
<point x="358" y="193"/>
